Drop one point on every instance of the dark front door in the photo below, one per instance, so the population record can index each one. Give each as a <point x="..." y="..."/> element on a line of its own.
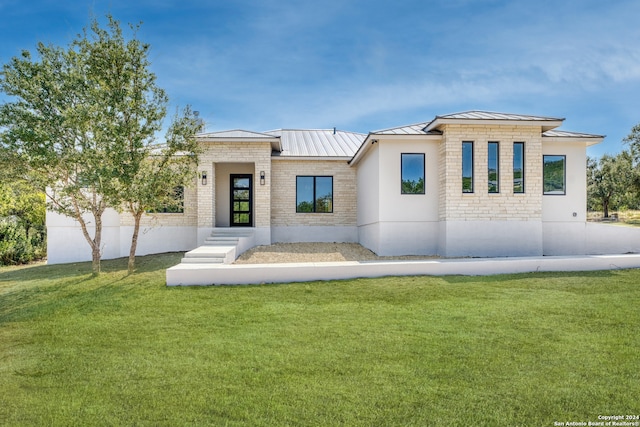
<point x="241" y="200"/>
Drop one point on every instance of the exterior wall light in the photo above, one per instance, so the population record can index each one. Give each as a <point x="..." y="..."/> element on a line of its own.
<point x="261" y="177"/>
<point x="204" y="177"/>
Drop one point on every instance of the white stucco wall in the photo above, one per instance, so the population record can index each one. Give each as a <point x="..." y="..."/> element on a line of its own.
<point x="66" y="243"/>
<point x="491" y="238"/>
<point x="368" y="193"/>
<point x="389" y="222"/>
<point x="561" y="208"/>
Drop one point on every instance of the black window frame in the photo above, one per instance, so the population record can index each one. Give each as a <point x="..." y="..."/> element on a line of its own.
<point x="497" y="168"/>
<point x="564" y="175"/>
<point x="472" y="189"/>
<point x="315" y="210"/>
<point x="424" y="184"/>
<point x="523" y="160"/>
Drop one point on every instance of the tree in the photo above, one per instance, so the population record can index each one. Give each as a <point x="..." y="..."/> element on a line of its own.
<point x="611" y="181"/>
<point x="81" y="119"/>
<point x="160" y="170"/>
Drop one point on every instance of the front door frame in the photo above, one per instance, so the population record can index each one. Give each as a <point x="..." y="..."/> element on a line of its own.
<point x="240" y="211"/>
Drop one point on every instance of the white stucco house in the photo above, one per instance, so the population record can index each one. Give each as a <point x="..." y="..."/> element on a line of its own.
<point x="468" y="184"/>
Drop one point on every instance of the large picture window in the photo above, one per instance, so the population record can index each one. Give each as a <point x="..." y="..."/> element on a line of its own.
<point x="493" y="167"/>
<point x="554" y="172"/>
<point x="518" y="167"/>
<point x="467" y="167"/>
<point x="412" y="166"/>
<point x="314" y="194"/>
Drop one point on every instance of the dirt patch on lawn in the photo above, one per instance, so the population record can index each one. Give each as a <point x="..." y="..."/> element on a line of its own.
<point x="314" y="252"/>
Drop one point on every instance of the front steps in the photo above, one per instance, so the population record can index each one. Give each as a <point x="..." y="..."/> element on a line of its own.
<point x="221" y="247"/>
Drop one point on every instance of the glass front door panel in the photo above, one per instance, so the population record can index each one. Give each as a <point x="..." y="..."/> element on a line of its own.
<point x="241" y="201"/>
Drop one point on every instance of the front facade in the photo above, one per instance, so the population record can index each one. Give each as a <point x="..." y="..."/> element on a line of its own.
<point x="467" y="184"/>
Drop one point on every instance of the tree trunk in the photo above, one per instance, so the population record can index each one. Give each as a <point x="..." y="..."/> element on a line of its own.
<point x="605" y="207"/>
<point x="134" y="242"/>
<point x="95" y="245"/>
<point x="96" y="241"/>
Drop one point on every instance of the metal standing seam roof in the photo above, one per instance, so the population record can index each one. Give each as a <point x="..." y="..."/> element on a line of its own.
<point x="235" y="134"/>
<point x="416" y="129"/>
<point x="318" y="142"/>
<point x="489" y="115"/>
<point x="567" y="134"/>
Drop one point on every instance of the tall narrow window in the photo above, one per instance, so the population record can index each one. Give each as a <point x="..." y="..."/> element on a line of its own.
<point x="554" y="172"/>
<point x="493" y="167"/>
<point x="314" y="194"/>
<point x="467" y="167"/>
<point x="518" y="167"/>
<point x="412" y="180"/>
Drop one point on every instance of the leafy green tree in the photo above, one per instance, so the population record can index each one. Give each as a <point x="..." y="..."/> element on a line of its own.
<point x="81" y="122"/>
<point x="611" y="181"/>
<point x="161" y="170"/>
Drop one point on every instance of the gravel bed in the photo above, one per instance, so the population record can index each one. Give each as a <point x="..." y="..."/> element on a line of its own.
<point x="313" y="252"/>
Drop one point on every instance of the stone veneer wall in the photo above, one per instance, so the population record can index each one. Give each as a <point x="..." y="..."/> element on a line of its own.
<point x="188" y="218"/>
<point x="258" y="153"/>
<point x="480" y="205"/>
<point x="283" y="193"/>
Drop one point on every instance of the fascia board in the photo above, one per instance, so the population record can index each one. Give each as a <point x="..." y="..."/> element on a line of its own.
<point x="544" y="124"/>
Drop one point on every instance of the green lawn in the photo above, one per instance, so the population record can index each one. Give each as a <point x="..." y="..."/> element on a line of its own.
<point x="508" y="350"/>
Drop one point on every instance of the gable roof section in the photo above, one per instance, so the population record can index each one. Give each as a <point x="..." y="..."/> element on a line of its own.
<point x="318" y="143"/>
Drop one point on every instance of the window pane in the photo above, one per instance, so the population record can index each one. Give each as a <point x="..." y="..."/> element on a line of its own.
<point x="494" y="168"/>
<point x="241" y="206"/>
<point x="412" y="173"/>
<point x="324" y="194"/>
<point x="554" y="174"/>
<point x="241" y="182"/>
<point x="518" y="167"/>
<point x="240" y="194"/>
<point x="467" y="167"/>
<point x="304" y="194"/>
<point x="241" y="218"/>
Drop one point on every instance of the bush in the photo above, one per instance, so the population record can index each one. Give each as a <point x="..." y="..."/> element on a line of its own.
<point x="19" y="245"/>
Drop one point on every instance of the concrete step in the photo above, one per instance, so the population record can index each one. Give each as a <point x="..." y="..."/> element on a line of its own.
<point x="221" y="240"/>
<point x="193" y="260"/>
<point x="235" y="232"/>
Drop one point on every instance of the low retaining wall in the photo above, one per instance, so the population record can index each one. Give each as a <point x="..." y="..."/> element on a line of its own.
<point x="187" y="275"/>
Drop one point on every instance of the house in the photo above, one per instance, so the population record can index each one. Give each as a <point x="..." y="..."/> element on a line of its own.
<point x="468" y="184"/>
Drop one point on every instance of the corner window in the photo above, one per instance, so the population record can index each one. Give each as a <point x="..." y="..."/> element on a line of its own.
<point x="314" y="194"/>
<point x="518" y="167"/>
<point x="412" y="180"/>
<point x="554" y="173"/>
<point x="493" y="167"/>
<point x="467" y="167"/>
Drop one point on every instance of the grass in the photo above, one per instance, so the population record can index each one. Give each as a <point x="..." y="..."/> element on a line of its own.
<point x="506" y="350"/>
<point x="622" y="217"/>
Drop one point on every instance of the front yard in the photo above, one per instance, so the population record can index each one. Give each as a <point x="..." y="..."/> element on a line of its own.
<point x="511" y="350"/>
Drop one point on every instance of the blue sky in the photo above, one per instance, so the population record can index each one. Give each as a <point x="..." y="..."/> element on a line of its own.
<point x="366" y="65"/>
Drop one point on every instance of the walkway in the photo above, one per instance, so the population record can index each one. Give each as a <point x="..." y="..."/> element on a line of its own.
<point x="234" y="274"/>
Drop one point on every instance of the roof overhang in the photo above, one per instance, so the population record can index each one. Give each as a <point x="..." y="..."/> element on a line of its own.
<point x="276" y="156"/>
<point x="546" y="125"/>
<point x="276" y="145"/>
<point x="589" y="141"/>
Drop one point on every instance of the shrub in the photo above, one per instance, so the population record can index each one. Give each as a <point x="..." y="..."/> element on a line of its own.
<point x="19" y="246"/>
